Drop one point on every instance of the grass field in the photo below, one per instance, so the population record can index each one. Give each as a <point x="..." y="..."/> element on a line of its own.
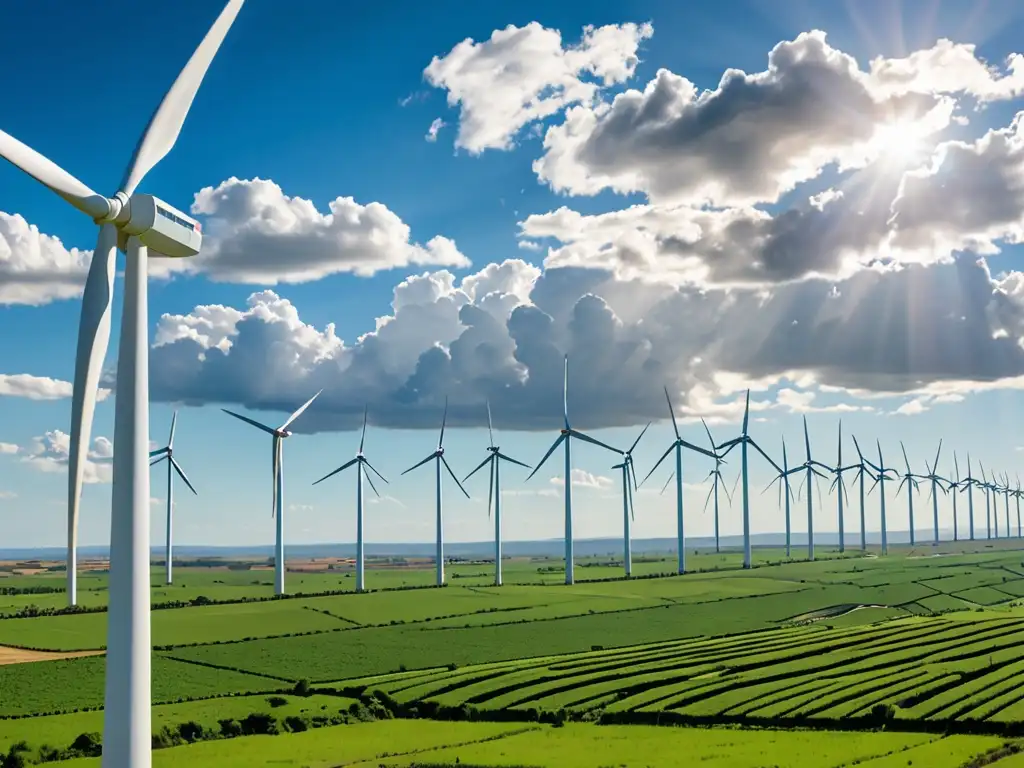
<point x="932" y="636"/>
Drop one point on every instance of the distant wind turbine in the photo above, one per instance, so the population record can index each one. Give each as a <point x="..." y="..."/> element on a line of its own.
<point x="743" y="441"/>
<point x="986" y="486"/>
<point x="910" y="480"/>
<point x="1005" y="489"/>
<point x="955" y="485"/>
<point x="936" y="481"/>
<point x="810" y="467"/>
<point x="840" y="486"/>
<point x="677" y="445"/>
<point x="438" y="458"/>
<point x="782" y="478"/>
<point x="863" y="468"/>
<point x="173" y="466"/>
<point x="715" y="473"/>
<point x="881" y="472"/>
<point x="277" y="509"/>
<point x="358" y="462"/>
<point x="1016" y="495"/>
<point x="967" y="486"/>
<point x="494" y="458"/>
<point x="629" y="484"/>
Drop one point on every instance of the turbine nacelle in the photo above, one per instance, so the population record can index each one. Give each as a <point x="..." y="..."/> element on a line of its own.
<point x="159" y="226"/>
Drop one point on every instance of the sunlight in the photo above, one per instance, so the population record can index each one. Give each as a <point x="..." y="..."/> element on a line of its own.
<point x="899" y="143"/>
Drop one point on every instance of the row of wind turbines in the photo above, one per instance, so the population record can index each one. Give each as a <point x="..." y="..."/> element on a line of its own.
<point x="811" y="471"/>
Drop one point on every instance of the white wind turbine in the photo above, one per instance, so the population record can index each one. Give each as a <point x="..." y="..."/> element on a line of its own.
<point x="677" y="445"/>
<point x="967" y="486"/>
<point x="629" y="484"/>
<point x="782" y="478"/>
<point x="909" y="479"/>
<point x="810" y="467"/>
<point x="716" y="473"/>
<point x="359" y="461"/>
<point x="438" y="458"/>
<point x="133" y="223"/>
<point x="863" y="469"/>
<point x="167" y="453"/>
<point x="936" y="484"/>
<point x="494" y="490"/>
<point x="567" y="433"/>
<point x="277" y="510"/>
<point x="881" y="475"/>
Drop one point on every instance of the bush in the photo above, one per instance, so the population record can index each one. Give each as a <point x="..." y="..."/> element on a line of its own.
<point x="259" y="724"/>
<point x="296" y="724"/>
<point x="229" y="728"/>
<point x="301" y="688"/>
<point x="87" y="745"/>
<point x="277" y="701"/>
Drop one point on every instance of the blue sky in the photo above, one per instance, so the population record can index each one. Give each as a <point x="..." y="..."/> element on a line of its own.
<point x="327" y="102"/>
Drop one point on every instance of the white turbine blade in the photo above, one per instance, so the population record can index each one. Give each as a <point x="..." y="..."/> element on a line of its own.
<point x="299" y="412"/>
<point x="939" y="451"/>
<point x="366" y="461"/>
<point x="551" y="450"/>
<point x="181" y="474"/>
<point x="480" y="466"/>
<point x="370" y="481"/>
<point x="93" y="337"/>
<point x="247" y="420"/>
<point x="736" y="485"/>
<point x="710" y="438"/>
<point x="165" y="125"/>
<point x="174" y="422"/>
<point x="765" y="455"/>
<point x="421" y="463"/>
<point x="720" y="479"/>
<point x="157" y="461"/>
<point x="658" y="463"/>
<point x="672" y="413"/>
<point x="158" y="452"/>
<point x="629" y="499"/>
<point x="637" y="441"/>
<point x="698" y="449"/>
<point x="588" y="439"/>
<point x="50" y="174"/>
<point x="276" y="469"/>
<point x="807" y="440"/>
<point x="746" y="413"/>
<point x="490" y="485"/>
<point x="513" y="461"/>
<point x="666" y="482"/>
<point x="711" y="490"/>
<point x="342" y="468"/>
<point x="444" y="420"/>
<point x="445" y="462"/>
<point x="632" y="472"/>
<point x="905" y="459"/>
<point x="565" y="393"/>
<point x="490" y="424"/>
<point x="362" y="438"/>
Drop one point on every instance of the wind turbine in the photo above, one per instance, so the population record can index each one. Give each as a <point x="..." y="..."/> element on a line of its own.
<point x="1005" y="489"/>
<point x="986" y="486"/>
<point x="438" y="458"/>
<point x="937" y="482"/>
<point x="880" y="477"/>
<point x="677" y="445"/>
<point x="1017" y="494"/>
<point x="862" y="468"/>
<point x="132" y="223"/>
<point x="967" y="485"/>
<point x="743" y="441"/>
<point x="172" y="467"/>
<point x="909" y="479"/>
<point x="494" y="458"/>
<point x="277" y="461"/>
<point x="784" y="490"/>
<point x="566" y="434"/>
<point x="716" y="473"/>
<point x="628" y="485"/>
<point x="840" y="487"/>
<point x="954" y="486"/>
<point x="810" y="467"/>
<point x="359" y="462"/>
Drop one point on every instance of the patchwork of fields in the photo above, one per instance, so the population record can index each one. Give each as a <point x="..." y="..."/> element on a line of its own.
<point x="919" y="641"/>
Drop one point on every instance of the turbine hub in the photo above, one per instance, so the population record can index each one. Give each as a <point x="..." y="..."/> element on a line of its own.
<point x="117" y="208"/>
<point x="564" y="431"/>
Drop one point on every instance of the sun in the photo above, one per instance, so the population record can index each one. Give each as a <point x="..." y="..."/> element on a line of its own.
<point x="899" y="143"/>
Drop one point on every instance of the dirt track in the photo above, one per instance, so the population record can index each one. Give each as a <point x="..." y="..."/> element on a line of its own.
<point x="18" y="656"/>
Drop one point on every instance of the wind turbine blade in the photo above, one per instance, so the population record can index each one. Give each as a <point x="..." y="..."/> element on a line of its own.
<point x="165" y="125"/>
<point x="421" y="463"/>
<point x="807" y="439"/>
<point x="936" y="464"/>
<point x="174" y="422"/>
<point x="710" y="438"/>
<point x="342" y="468"/>
<point x="629" y="499"/>
<point x="817" y="487"/>
<point x="842" y="486"/>
<point x="50" y="174"/>
<point x="156" y="461"/>
<point x="872" y="488"/>
<point x="158" y="452"/>
<point x="490" y="428"/>
<point x="672" y="413"/>
<point x="445" y="462"/>
<point x="480" y="466"/>
<point x="658" y="463"/>
<point x="370" y="481"/>
<point x="635" y="442"/>
<point x="770" y="484"/>
<point x="362" y="437"/>
<point x="746" y="413"/>
<point x="276" y="470"/>
<point x="551" y="450"/>
<point x="857" y="446"/>
<point x="299" y="412"/>
<point x="905" y="459"/>
<point x="247" y="420"/>
<point x="490" y="482"/>
<point x="565" y="393"/>
<point x="514" y="461"/>
<point x="632" y="472"/>
<point x="698" y="449"/>
<point x="736" y="484"/>
<point x="181" y="474"/>
<point x="765" y="455"/>
<point x="589" y="439"/>
<point x="666" y="482"/>
<point x="718" y="478"/>
<point x="373" y="469"/>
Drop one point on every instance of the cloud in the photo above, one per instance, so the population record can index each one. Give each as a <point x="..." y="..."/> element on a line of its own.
<point x="522" y="75"/>
<point x="36" y="268"/>
<point x="38" y="387"/>
<point x="49" y="453"/>
<point x="6" y="495"/>
<point x="386" y="499"/>
<point x="435" y="128"/>
<point x="300" y="507"/>
<point x="583" y="479"/>
<point x="803" y="402"/>
<point x="8" y="448"/>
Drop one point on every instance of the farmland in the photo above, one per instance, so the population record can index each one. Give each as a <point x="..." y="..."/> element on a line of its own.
<point x="915" y="656"/>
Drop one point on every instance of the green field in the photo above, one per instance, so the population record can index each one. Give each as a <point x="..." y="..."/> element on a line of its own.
<point x="924" y="640"/>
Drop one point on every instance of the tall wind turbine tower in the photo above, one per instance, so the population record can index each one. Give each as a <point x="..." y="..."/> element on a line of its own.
<point x="936" y="481"/>
<point x="743" y="441"/>
<point x="1016" y="495"/>
<point x="1005" y="490"/>
<point x="494" y="458"/>
<point x="862" y="468"/>
<point x="910" y="480"/>
<point x="628" y="485"/>
<point x="565" y="437"/>
<point x="677" y="445"/>
<point x="955" y="485"/>
<point x="359" y="462"/>
<point x="967" y="486"/>
<point x="840" y="486"/>
<point x="986" y="486"/>
<point x="881" y="472"/>
<point x="438" y="458"/>
<point x="810" y="467"/>
<point x="716" y="474"/>
<point x="173" y="466"/>
<point x="133" y="223"/>
<point x="277" y="510"/>
<point x="782" y="478"/>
